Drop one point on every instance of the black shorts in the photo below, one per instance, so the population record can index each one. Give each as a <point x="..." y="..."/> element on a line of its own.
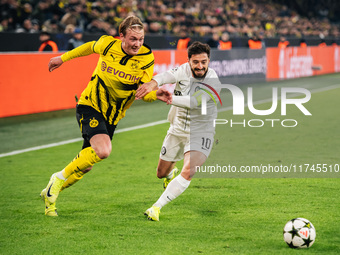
<point x="92" y="123"/>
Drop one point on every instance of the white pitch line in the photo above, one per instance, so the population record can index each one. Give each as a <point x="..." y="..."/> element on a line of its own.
<point x="78" y="139"/>
<point x="335" y="86"/>
<point x="40" y="147"/>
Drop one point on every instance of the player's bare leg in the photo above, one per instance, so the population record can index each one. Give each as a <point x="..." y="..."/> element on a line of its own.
<point x="167" y="170"/>
<point x="164" y="168"/>
<point x="179" y="184"/>
<point x="101" y="144"/>
<point x="192" y="160"/>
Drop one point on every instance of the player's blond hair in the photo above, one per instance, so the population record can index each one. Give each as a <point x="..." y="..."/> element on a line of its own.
<point x="131" y="22"/>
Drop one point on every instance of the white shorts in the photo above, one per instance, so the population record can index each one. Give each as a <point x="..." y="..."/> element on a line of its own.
<point x="174" y="146"/>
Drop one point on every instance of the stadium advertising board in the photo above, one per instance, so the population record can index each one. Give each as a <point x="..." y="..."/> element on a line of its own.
<point x="168" y="59"/>
<point x="296" y="62"/>
<point x="42" y="91"/>
<point x="239" y="66"/>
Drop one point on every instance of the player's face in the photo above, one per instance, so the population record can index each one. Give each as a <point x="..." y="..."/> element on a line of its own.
<point x="132" y="41"/>
<point x="199" y="65"/>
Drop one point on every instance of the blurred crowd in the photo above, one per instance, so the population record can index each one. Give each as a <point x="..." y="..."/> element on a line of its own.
<point x="166" y="17"/>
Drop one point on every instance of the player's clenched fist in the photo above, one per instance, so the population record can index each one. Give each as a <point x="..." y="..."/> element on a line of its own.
<point x="54" y="63"/>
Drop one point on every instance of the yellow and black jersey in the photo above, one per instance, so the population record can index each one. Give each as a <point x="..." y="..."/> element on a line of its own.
<point x="116" y="78"/>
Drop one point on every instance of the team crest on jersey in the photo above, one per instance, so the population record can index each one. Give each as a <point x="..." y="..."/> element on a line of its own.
<point x="103" y="66"/>
<point x="93" y="123"/>
<point x="135" y="64"/>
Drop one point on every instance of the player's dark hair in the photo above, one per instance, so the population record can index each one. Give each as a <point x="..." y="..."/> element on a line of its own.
<point x="131" y="22"/>
<point x="198" y="48"/>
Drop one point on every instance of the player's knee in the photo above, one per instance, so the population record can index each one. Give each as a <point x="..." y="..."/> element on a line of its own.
<point x="101" y="144"/>
<point x="103" y="152"/>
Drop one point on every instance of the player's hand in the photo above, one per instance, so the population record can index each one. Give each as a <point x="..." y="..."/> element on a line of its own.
<point x="146" y="88"/>
<point x="54" y="63"/>
<point x="164" y="95"/>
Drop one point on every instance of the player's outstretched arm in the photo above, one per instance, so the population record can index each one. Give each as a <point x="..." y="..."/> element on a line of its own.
<point x="164" y="95"/>
<point x="146" y="88"/>
<point x="54" y="63"/>
<point x="83" y="50"/>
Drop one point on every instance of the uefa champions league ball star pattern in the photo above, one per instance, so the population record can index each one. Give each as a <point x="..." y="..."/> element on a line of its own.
<point x="299" y="233"/>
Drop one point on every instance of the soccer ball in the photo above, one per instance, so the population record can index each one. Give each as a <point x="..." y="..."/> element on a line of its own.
<point x="299" y="233"/>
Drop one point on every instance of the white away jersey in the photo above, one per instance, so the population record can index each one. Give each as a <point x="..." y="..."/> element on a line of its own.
<point x="189" y="121"/>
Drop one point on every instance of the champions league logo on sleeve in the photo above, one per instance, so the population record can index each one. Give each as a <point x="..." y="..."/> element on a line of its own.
<point x="240" y="102"/>
<point x="207" y="88"/>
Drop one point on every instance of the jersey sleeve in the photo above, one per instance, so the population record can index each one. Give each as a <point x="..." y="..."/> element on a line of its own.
<point x="104" y="43"/>
<point x="150" y="97"/>
<point x="82" y="50"/>
<point x="187" y="102"/>
<point x="167" y="77"/>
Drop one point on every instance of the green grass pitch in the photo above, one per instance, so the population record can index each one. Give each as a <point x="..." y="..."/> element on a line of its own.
<point x="103" y="213"/>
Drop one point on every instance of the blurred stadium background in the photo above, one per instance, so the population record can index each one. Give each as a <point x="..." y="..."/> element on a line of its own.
<point x="238" y="215"/>
<point x="165" y="21"/>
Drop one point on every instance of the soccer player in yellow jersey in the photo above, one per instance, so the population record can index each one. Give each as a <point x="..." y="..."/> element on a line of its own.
<point x="123" y="65"/>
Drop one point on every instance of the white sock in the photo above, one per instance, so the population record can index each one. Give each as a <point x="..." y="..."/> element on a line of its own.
<point x="60" y="175"/>
<point x="175" y="188"/>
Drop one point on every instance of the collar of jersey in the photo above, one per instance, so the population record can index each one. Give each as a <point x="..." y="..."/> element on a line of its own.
<point x="140" y="54"/>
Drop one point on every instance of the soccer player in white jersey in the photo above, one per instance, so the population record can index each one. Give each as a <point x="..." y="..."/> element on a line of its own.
<point x="191" y="133"/>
